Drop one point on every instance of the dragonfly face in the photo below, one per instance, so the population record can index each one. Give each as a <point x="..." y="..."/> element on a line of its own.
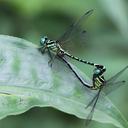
<point x="43" y="41"/>
<point x="99" y="70"/>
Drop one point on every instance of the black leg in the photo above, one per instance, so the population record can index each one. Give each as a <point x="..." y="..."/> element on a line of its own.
<point x="50" y="62"/>
<point x="42" y="49"/>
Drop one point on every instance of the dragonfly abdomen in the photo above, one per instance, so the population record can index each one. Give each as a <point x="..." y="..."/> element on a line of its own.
<point x="78" y="59"/>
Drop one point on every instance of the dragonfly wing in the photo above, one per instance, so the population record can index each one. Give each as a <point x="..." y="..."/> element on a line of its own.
<point x="108" y="88"/>
<point x="92" y="103"/>
<point x="112" y="79"/>
<point x="74" y="28"/>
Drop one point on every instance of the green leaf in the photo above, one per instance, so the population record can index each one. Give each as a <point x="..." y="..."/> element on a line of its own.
<point x="26" y="81"/>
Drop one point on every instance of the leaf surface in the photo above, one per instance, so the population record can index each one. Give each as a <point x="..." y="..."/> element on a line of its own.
<point x="26" y="81"/>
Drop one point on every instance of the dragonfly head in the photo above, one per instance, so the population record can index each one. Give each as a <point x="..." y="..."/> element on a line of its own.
<point x="43" y="40"/>
<point x="99" y="69"/>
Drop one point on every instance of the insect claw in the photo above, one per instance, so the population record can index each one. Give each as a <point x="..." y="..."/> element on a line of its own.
<point x="50" y="63"/>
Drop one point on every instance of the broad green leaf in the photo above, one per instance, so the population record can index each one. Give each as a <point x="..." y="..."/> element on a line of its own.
<point x="26" y="81"/>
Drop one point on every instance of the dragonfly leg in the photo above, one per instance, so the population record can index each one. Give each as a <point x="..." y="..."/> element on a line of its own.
<point x="42" y="49"/>
<point x="52" y="57"/>
<point x="50" y="62"/>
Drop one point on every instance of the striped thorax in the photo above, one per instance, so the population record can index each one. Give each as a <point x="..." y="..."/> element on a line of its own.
<point x="51" y="45"/>
<point x="98" y="77"/>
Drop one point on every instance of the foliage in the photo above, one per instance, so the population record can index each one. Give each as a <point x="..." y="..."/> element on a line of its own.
<point x="25" y="83"/>
<point x="107" y="44"/>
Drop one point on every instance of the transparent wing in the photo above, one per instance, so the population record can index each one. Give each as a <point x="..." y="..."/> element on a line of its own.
<point x="75" y="30"/>
<point x="93" y="100"/>
<point x="92" y="103"/>
<point x="115" y="77"/>
<point x="112" y="87"/>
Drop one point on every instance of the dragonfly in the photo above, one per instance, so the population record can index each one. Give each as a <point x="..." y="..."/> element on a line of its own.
<point x="99" y="83"/>
<point x="53" y="47"/>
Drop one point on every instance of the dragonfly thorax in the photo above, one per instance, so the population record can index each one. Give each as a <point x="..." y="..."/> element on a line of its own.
<point x="98" y="81"/>
<point x="52" y="45"/>
<point x="98" y="77"/>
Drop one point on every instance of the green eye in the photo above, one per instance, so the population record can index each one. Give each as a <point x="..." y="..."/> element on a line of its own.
<point x="43" y="40"/>
<point x="96" y="71"/>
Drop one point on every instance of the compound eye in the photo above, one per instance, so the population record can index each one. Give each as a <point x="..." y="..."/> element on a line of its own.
<point x="96" y="71"/>
<point x="43" y="40"/>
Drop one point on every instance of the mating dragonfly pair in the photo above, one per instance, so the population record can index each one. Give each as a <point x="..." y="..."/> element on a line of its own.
<point x="54" y="49"/>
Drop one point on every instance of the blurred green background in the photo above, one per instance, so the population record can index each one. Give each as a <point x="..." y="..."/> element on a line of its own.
<point x="107" y="44"/>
